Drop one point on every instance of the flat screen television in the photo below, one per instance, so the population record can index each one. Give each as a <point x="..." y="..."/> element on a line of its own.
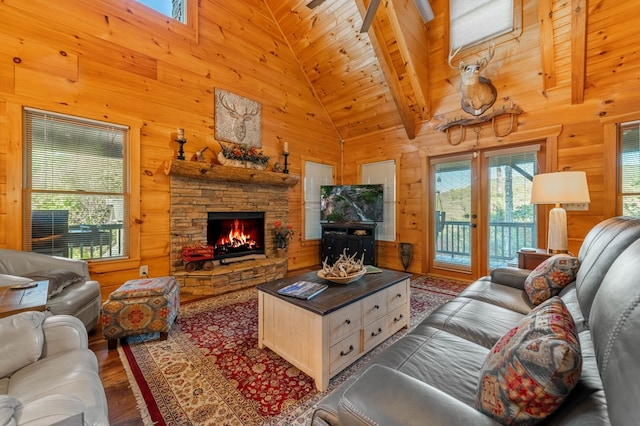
<point x="351" y="203"/>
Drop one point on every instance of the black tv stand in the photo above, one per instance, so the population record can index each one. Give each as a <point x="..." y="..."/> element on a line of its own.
<point x="354" y="237"/>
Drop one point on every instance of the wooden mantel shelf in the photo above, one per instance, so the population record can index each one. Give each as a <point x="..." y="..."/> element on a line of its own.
<point x="206" y="171"/>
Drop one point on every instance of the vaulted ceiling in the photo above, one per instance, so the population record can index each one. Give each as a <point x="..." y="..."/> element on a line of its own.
<point x="365" y="81"/>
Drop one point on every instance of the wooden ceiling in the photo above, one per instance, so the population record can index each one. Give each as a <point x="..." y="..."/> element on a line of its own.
<point x="365" y="81"/>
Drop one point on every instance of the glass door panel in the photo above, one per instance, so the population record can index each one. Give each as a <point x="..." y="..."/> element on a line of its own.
<point x="511" y="216"/>
<point x="452" y="213"/>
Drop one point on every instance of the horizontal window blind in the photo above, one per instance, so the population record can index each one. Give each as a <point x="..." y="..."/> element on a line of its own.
<point x="75" y="183"/>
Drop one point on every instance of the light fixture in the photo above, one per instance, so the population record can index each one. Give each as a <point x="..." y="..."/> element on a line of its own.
<point x="556" y="188"/>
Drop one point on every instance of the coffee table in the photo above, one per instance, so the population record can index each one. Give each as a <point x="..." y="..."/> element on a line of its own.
<point x="325" y="334"/>
<point x="28" y="299"/>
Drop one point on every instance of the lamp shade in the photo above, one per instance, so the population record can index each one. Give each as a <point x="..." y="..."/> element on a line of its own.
<point x="560" y="187"/>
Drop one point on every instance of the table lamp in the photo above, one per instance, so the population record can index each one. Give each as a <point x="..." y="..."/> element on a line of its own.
<point x="556" y="188"/>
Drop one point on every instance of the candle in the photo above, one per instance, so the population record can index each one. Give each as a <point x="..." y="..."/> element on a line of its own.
<point x="286" y="147"/>
<point x="181" y="134"/>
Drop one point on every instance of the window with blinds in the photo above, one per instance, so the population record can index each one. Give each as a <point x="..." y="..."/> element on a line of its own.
<point x="315" y="175"/>
<point x="384" y="173"/>
<point x="75" y="186"/>
<point x="474" y="22"/>
<point x="629" y="168"/>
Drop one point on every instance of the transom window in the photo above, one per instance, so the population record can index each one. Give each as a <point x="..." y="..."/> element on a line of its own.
<point x="472" y="22"/>
<point x="76" y="186"/>
<point x="172" y="8"/>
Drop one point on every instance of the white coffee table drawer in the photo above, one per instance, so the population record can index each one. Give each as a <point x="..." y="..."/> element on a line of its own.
<point x="345" y="321"/>
<point x="344" y="353"/>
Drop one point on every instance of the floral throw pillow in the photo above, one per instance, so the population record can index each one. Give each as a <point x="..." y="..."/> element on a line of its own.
<point x="530" y="371"/>
<point x="550" y="277"/>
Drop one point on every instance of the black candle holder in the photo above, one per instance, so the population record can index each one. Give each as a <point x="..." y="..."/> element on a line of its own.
<point x="286" y="164"/>
<point x="181" y="150"/>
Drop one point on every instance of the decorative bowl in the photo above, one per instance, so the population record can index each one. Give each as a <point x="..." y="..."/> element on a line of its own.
<point x="344" y="280"/>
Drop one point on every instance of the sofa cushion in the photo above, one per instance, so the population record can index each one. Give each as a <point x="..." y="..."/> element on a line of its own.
<point x="530" y="371"/>
<point x="58" y="279"/>
<point x="8" y="405"/>
<point x="550" y="277"/>
<point x="24" y="331"/>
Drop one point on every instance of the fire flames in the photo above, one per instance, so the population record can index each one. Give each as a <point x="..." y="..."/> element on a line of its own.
<point x="237" y="238"/>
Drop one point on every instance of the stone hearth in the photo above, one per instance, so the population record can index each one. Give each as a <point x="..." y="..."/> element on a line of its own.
<point x="197" y="189"/>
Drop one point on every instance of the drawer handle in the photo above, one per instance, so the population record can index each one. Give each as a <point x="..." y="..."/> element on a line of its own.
<point x="376" y="307"/>
<point x="348" y="321"/>
<point x="343" y="353"/>
<point x="398" y="319"/>
<point x="399" y="295"/>
<point x="374" y="334"/>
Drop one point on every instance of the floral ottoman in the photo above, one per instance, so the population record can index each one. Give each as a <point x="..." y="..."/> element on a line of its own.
<point x="142" y="306"/>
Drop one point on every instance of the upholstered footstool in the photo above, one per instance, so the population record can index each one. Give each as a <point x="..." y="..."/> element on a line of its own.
<point x="141" y="306"/>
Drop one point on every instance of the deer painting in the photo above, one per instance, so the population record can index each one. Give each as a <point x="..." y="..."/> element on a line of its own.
<point x="478" y="94"/>
<point x="237" y="119"/>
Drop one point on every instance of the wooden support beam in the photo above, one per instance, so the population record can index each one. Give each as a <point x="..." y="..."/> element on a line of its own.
<point x="402" y="13"/>
<point x="578" y="49"/>
<point x="377" y="37"/>
<point x="545" y="16"/>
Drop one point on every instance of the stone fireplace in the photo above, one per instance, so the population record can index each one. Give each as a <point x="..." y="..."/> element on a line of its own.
<point x="199" y="189"/>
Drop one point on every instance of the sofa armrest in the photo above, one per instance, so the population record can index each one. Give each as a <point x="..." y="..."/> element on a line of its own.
<point x="383" y="396"/>
<point x="14" y="262"/>
<point x="50" y="409"/>
<point x="63" y="333"/>
<point x="512" y="277"/>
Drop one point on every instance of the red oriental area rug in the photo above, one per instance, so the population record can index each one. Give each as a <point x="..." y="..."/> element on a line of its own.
<point x="210" y="370"/>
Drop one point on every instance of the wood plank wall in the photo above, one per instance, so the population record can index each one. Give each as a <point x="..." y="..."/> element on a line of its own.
<point x="117" y="61"/>
<point x="114" y="60"/>
<point x="612" y="84"/>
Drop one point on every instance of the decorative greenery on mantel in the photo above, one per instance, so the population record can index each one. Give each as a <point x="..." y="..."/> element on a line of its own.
<point x="198" y="170"/>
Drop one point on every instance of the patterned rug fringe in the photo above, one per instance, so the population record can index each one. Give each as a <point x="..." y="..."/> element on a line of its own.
<point x="133" y="385"/>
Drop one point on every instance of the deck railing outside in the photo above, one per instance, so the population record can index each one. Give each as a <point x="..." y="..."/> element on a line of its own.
<point x="453" y="241"/>
<point x="95" y="241"/>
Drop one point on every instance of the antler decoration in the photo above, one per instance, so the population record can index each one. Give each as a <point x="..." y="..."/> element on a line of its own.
<point x="462" y="123"/>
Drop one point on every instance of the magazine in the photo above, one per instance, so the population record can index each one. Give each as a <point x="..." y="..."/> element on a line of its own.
<point x="372" y="269"/>
<point x="303" y="289"/>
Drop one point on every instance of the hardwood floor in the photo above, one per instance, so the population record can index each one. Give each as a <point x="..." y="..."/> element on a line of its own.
<point x="123" y="409"/>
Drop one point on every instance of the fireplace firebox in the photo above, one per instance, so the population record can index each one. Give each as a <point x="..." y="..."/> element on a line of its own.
<point x="235" y="234"/>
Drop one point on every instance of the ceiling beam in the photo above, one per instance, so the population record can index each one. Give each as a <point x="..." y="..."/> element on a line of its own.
<point x="413" y="49"/>
<point x="369" y="15"/>
<point x="314" y="3"/>
<point x="377" y="37"/>
<point x="545" y="16"/>
<point x="578" y="50"/>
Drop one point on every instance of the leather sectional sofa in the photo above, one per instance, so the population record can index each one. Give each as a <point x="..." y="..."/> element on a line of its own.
<point x="47" y="373"/>
<point x="431" y="376"/>
<point x="77" y="295"/>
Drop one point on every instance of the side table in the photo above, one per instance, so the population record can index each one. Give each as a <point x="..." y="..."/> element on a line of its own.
<point x="530" y="258"/>
<point x="13" y="301"/>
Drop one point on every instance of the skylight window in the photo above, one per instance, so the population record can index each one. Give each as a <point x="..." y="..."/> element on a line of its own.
<point x="172" y="8"/>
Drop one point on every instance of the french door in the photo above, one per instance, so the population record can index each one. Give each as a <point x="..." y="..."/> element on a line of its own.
<point x="481" y="213"/>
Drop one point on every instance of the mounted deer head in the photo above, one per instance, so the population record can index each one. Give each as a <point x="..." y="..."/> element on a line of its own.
<point x="239" y="117"/>
<point x="478" y="94"/>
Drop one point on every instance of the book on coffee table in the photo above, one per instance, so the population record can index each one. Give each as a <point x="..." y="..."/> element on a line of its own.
<point x="303" y="289"/>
